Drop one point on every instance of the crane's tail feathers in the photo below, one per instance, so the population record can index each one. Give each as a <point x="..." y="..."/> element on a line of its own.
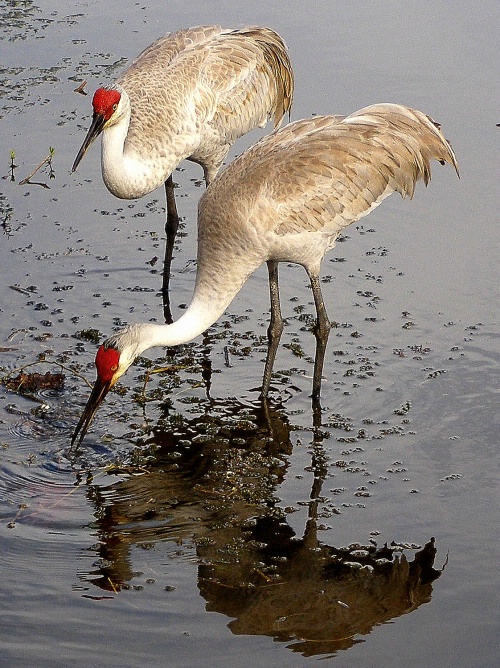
<point x="414" y="139"/>
<point x="276" y="54"/>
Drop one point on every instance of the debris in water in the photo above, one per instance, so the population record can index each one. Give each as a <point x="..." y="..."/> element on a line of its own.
<point x="27" y="383"/>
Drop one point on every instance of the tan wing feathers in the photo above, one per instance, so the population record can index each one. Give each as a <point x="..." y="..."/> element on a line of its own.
<point x="417" y="126"/>
<point x="327" y="172"/>
<point x="161" y="53"/>
<point x="276" y="56"/>
<point x="236" y="68"/>
<point x="231" y="80"/>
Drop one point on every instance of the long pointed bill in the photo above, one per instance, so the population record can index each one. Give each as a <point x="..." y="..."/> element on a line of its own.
<point x="95" y="130"/>
<point x="97" y="395"/>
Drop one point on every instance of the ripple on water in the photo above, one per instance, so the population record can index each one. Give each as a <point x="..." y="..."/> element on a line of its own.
<point x="27" y="429"/>
<point x="38" y="417"/>
<point x="32" y="495"/>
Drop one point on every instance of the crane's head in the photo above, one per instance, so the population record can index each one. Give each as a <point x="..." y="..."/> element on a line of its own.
<point x="113" y="358"/>
<point x="111" y="362"/>
<point x="105" y="104"/>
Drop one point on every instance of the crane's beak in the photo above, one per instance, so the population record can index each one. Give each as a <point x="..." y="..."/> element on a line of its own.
<point x="97" y="395"/>
<point x="98" y="122"/>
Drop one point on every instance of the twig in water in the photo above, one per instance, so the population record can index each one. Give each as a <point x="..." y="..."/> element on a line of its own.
<point x="81" y="88"/>
<point x="163" y="369"/>
<point x="21" y="290"/>
<point x="46" y="161"/>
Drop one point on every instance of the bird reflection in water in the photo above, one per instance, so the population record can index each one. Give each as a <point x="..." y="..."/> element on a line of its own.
<point x="213" y="485"/>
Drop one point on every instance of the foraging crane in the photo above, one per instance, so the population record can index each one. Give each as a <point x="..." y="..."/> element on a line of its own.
<point x="189" y="95"/>
<point x="285" y="199"/>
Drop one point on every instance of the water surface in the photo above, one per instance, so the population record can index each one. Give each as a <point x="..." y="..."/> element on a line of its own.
<point x="194" y="529"/>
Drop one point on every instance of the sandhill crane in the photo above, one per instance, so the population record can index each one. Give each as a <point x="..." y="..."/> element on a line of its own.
<point x="189" y="95"/>
<point x="285" y="199"/>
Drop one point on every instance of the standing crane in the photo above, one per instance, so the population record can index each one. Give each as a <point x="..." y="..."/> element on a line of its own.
<point x="189" y="95"/>
<point x="285" y="199"/>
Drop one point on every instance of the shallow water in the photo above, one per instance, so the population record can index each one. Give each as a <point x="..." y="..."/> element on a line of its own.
<point x="192" y="531"/>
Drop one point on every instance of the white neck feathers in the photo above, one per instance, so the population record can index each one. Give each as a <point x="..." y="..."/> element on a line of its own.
<point x="126" y="173"/>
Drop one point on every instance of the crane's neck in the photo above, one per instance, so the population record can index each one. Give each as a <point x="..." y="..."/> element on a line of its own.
<point x="207" y="305"/>
<point x="225" y="261"/>
<point x="130" y="172"/>
<point x="193" y="322"/>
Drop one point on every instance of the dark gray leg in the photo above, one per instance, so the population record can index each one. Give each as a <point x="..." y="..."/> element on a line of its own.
<point x="171" y="226"/>
<point x="321" y="332"/>
<point x="275" y="328"/>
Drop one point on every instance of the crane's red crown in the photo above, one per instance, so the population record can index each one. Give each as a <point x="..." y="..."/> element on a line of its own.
<point x="105" y="101"/>
<point x="106" y="361"/>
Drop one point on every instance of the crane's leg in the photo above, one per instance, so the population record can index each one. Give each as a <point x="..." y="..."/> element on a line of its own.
<point x="171" y="227"/>
<point x="321" y="332"/>
<point x="275" y="328"/>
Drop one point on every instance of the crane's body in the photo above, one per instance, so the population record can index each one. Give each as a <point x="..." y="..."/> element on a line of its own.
<point x="189" y="95"/>
<point x="286" y="198"/>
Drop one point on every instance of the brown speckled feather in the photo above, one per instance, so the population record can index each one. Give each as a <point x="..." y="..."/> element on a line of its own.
<point x="197" y="90"/>
<point x="288" y="196"/>
<point x="328" y="171"/>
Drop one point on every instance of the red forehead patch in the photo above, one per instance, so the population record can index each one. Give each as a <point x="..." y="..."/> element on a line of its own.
<point x="106" y="362"/>
<point x="104" y="101"/>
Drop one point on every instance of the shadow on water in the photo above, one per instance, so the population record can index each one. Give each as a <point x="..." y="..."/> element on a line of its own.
<point x="213" y="483"/>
